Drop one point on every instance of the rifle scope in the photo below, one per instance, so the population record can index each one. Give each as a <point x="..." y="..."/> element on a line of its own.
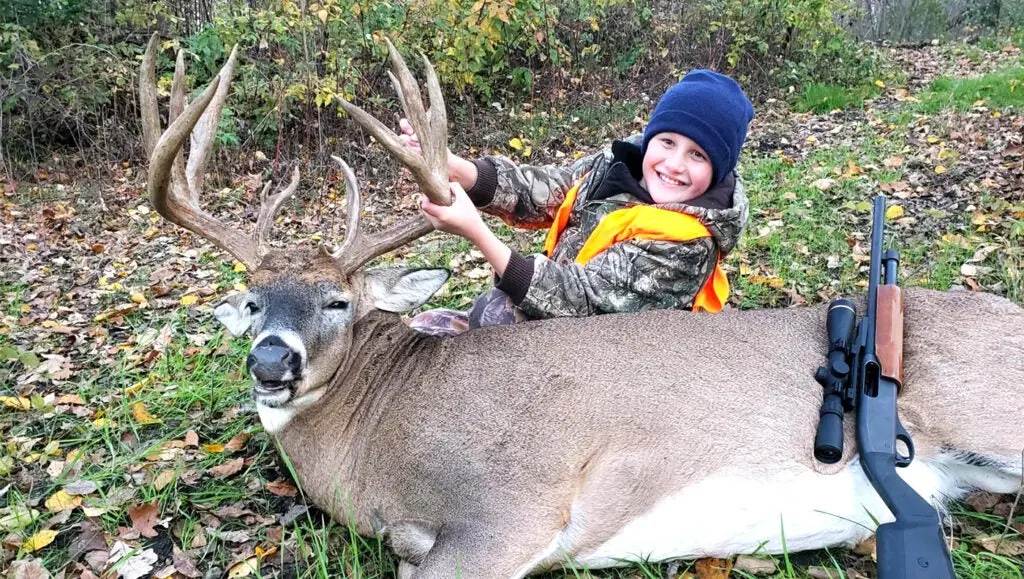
<point x="834" y="378"/>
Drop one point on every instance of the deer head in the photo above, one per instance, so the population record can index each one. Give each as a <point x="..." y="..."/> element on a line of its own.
<point x="301" y="304"/>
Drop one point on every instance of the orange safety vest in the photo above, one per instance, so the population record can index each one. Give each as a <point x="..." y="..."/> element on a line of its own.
<point x="642" y="222"/>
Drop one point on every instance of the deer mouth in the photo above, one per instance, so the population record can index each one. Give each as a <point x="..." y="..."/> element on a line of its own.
<point x="273" y="392"/>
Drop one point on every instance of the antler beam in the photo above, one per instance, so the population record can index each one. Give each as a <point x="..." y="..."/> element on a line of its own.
<point x="174" y="187"/>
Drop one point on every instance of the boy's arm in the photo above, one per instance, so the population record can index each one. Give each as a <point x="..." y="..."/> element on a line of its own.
<point x="629" y="276"/>
<point x="525" y="195"/>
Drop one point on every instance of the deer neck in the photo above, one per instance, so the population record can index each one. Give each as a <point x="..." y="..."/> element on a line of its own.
<point x="378" y="362"/>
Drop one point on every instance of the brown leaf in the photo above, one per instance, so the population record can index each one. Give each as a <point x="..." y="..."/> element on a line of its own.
<point x="982" y="501"/>
<point x="712" y="568"/>
<point x="192" y="438"/>
<point x="184" y="564"/>
<point x="282" y="488"/>
<point x="228" y="468"/>
<point x="237" y="442"/>
<point x="26" y="569"/>
<point x="144" y="518"/>
<point x="163" y="479"/>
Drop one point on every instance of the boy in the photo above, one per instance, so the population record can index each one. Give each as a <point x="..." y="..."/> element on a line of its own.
<point x="641" y="225"/>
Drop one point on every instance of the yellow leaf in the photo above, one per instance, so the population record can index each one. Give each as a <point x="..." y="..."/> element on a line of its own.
<point x="879" y="84"/>
<point x="940" y="170"/>
<point x="163" y="479"/>
<point x="322" y="15"/>
<point x="141" y="415"/>
<point x="515" y="143"/>
<point x="39" y="540"/>
<point x="245" y="568"/>
<point x="239" y="267"/>
<point x="241" y="287"/>
<point x="893" y="212"/>
<point x="932" y="139"/>
<point x="215" y="447"/>
<point x="527" y="151"/>
<point x="16" y="402"/>
<point x="62" y="501"/>
<point x="188" y="300"/>
<point x="139" y="298"/>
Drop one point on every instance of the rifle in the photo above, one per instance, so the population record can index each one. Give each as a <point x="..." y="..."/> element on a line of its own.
<point x="865" y="372"/>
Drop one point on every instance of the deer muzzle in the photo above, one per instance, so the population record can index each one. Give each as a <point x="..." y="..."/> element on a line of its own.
<point x="273" y="364"/>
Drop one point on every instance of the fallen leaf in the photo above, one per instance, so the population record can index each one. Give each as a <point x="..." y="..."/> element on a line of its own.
<point x="131" y="563"/>
<point x="229" y="468"/>
<point x="16" y="402"/>
<point x="62" y="501"/>
<point x="754" y="565"/>
<point x="237" y="442"/>
<point x="245" y="568"/>
<point x="516" y="143"/>
<point x="712" y="568"/>
<point x="80" y="487"/>
<point x="142" y="415"/>
<point x="38" y="541"/>
<point x="894" y="212"/>
<point x="188" y="300"/>
<point x="213" y="448"/>
<point x="825" y="184"/>
<point x="144" y="517"/>
<point x="28" y="569"/>
<point x="18" y="517"/>
<point x="1000" y="545"/>
<point x="163" y="479"/>
<point x="282" y="488"/>
<point x="191" y="438"/>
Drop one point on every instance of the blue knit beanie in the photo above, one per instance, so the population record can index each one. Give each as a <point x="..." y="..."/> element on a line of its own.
<point x="709" y="108"/>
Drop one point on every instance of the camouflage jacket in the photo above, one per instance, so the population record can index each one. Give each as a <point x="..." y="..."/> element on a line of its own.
<point x="628" y="276"/>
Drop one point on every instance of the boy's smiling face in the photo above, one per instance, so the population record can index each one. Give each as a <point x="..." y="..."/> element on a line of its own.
<point x="675" y="169"/>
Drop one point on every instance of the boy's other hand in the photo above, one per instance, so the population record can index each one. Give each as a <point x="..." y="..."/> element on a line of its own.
<point x="460" y="218"/>
<point x="408" y="137"/>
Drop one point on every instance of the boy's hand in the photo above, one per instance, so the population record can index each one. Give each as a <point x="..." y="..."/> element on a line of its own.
<point x="459" y="170"/>
<point x="460" y="218"/>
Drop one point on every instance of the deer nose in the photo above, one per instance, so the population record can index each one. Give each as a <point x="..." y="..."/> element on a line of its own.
<point x="273" y="361"/>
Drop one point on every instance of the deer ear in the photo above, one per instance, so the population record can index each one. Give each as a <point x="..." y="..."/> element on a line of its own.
<point x="234" y="314"/>
<point x="397" y="289"/>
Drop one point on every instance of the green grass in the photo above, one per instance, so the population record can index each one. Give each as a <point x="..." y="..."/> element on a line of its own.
<point x="1000" y="89"/>
<point x="823" y="98"/>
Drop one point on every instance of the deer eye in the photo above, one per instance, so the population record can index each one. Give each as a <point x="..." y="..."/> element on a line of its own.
<point x="252" y="307"/>
<point x="337" y="305"/>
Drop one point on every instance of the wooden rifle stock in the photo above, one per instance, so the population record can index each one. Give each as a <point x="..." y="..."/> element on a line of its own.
<point x="889" y="332"/>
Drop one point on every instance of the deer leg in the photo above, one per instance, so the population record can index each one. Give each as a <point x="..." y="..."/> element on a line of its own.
<point x="477" y="552"/>
<point x="406" y="570"/>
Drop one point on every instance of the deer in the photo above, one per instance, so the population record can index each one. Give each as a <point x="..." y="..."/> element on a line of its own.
<point x="578" y="442"/>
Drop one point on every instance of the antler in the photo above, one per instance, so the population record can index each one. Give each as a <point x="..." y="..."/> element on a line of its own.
<point x="430" y="170"/>
<point x="174" y="186"/>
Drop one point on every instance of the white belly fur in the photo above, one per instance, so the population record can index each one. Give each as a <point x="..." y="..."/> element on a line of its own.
<point x="728" y="514"/>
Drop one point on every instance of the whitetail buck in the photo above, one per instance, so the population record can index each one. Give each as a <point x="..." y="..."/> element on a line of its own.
<point x="585" y="441"/>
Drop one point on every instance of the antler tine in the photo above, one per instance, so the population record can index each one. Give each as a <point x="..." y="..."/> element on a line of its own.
<point x="147" y="96"/>
<point x="167" y="184"/>
<point x="352" y="200"/>
<point x="269" y="208"/>
<point x="435" y="147"/>
<point x="206" y="128"/>
<point x="430" y="173"/>
<point x="178" y="100"/>
<point x="357" y="248"/>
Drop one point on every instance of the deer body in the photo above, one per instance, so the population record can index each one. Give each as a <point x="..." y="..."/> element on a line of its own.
<point x="667" y="434"/>
<point x="589" y="441"/>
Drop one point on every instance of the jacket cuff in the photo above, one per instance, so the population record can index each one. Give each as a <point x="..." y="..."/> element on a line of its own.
<point x="482" y="192"/>
<point x="517" y="278"/>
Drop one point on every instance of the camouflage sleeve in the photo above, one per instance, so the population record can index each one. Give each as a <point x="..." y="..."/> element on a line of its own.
<point x="627" y="277"/>
<point x="529" y="195"/>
